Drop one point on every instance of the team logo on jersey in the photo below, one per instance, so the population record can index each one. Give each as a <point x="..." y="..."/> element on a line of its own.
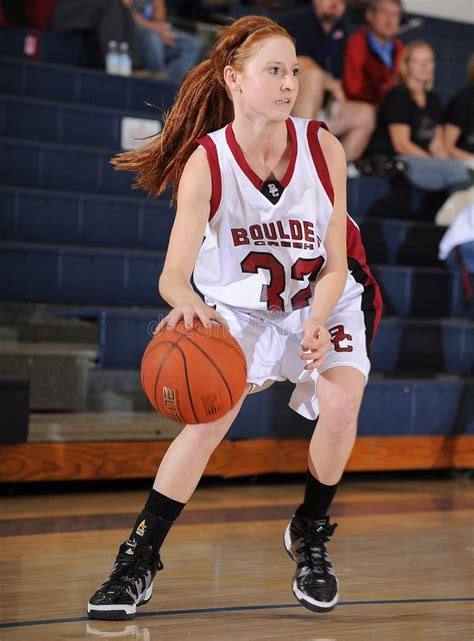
<point x="272" y="190"/>
<point x="290" y="233"/>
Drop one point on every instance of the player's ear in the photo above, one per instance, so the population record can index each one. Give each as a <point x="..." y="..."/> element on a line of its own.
<point x="230" y="78"/>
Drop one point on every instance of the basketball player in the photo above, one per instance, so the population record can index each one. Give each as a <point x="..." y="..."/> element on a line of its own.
<point x="281" y="264"/>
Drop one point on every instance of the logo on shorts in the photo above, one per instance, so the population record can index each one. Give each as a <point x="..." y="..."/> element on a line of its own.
<point x="338" y="335"/>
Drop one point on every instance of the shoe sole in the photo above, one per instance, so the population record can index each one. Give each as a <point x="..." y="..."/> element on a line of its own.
<point x="117" y="612"/>
<point x="310" y="604"/>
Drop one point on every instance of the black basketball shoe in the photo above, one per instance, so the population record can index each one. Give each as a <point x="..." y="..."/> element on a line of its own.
<point x="314" y="584"/>
<point x="129" y="585"/>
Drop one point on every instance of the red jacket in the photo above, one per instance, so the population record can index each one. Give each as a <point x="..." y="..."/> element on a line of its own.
<point x="366" y="77"/>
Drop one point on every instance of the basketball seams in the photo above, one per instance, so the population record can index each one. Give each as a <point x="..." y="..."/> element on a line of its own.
<point x="216" y="367"/>
<point x="159" y="374"/>
<point x="147" y="352"/>
<point x="187" y="384"/>
<point x="237" y="350"/>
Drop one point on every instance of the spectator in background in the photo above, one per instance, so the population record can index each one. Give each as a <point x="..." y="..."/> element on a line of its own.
<point x="163" y="48"/>
<point x="106" y="19"/>
<point x="320" y="33"/>
<point x="457" y="245"/>
<point x="459" y="122"/>
<point x="409" y="125"/>
<point x="373" y="54"/>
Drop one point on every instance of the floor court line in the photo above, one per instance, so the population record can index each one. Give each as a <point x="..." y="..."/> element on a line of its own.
<point x="111" y="521"/>
<point x="242" y="608"/>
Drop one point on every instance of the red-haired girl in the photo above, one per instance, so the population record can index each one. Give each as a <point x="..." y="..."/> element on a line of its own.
<point x="281" y="264"/>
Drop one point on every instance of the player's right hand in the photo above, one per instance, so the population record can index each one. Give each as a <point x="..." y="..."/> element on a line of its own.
<point x="188" y="311"/>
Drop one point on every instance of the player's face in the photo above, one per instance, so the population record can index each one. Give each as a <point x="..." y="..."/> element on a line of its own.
<point x="384" y="20"/>
<point x="421" y="65"/>
<point x="269" y="81"/>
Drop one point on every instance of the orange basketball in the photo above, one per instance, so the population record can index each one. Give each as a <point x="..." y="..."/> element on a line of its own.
<point x="193" y="375"/>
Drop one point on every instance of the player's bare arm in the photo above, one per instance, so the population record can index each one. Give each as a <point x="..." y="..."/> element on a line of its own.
<point x="332" y="278"/>
<point x="193" y="205"/>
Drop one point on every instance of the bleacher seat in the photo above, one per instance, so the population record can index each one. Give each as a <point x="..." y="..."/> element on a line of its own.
<point x="368" y="197"/>
<point x="424" y="346"/>
<point x="84" y="86"/>
<point x="405" y="407"/>
<point x="402" y="345"/>
<point x="87" y="220"/>
<point x="34" y="119"/>
<point x="61" y="167"/>
<point x="424" y="292"/>
<point x="62" y="48"/>
<point x="83" y="219"/>
<point x="401" y="242"/>
<point x="79" y="275"/>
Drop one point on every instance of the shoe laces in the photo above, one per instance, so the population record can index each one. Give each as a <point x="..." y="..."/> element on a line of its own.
<point x="314" y="537"/>
<point x="130" y="567"/>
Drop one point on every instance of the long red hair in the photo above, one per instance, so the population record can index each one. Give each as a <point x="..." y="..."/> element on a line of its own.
<point x="202" y="105"/>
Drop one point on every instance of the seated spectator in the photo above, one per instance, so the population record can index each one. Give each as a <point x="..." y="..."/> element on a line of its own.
<point x="409" y="125"/>
<point x="163" y="48"/>
<point x="106" y="19"/>
<point x="373" y="54"/>
<point x="459" y="122"/>
<point x="320" y="34"/>
<point x="457" y="245"/>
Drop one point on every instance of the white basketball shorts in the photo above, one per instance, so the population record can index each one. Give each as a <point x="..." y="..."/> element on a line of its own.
<point x="272" y="347"/>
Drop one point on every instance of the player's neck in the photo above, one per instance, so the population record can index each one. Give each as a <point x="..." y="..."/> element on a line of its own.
<point x="261" y="141"/>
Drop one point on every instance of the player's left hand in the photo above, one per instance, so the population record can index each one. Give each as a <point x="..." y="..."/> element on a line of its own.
<point x="315" y="343"/>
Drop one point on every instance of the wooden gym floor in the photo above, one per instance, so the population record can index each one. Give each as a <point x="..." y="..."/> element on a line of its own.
<point x="403" y="552"/>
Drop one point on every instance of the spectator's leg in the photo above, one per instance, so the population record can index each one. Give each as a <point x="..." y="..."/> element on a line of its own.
<point x="152" y="49"/>
<point x="311" y="90"/>
<point x="116" y="23"/>
<point x="457" y="174"/>
<point x="108" y="19"/>
<point x="355" y="121"/>
<point x="183" y="55"/>
<point x="435" y="174"/>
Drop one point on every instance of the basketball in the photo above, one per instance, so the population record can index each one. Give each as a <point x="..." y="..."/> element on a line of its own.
<point x="193" y="375"/>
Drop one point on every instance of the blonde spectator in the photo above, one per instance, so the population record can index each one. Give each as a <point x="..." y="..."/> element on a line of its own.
<point x="410" y="125"/>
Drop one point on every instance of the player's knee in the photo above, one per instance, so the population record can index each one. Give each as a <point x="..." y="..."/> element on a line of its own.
<point x="340" y="415"/>
<point x="207" y="436"/>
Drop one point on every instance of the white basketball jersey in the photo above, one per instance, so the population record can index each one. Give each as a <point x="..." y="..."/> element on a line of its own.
<point x="264" y="256"/>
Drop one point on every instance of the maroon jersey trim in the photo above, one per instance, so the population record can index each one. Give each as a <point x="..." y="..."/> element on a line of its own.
<point x="256" y="181"/>
<point x="372" y="304"/>
<point x="216" y="179"/>
<point x="318" y="157"/>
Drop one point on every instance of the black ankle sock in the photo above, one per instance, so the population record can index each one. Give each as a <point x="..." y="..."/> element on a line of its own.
<point x="156" y="519"/>
<point x="317" y="498"/>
